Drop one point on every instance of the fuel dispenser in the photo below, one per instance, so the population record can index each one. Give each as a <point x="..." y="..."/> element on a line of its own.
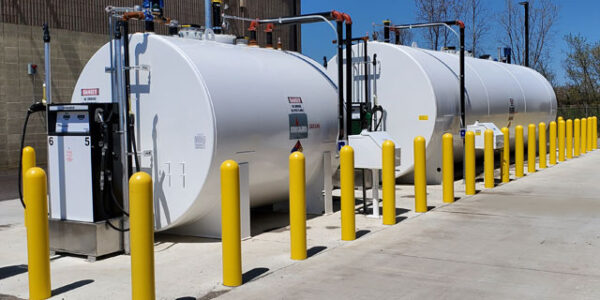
<point x="83" y="159"/>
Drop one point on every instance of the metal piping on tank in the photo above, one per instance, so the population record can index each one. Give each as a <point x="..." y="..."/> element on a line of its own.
<point x="461" y="26"/>
<point x="252" y="30"/>
<point x="47" y="64"/>
<point x="340" y="19"/>
<point x="269" y="32"/>
<point x="216" y="16"/>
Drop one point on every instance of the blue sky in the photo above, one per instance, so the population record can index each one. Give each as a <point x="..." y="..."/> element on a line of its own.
<point x="575" y="16"/>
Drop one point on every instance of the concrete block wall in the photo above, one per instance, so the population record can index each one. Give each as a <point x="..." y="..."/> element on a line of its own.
<point x="23" y="44"/>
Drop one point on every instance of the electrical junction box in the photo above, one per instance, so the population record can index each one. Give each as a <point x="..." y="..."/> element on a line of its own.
<point x="480" y="128"/>
<point x="367" y="149"/>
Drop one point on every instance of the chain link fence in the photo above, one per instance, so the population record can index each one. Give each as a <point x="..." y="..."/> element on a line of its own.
<point x="578" y="111"/>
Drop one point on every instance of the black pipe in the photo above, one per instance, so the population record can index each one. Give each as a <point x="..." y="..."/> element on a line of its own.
<point x="325" y="62"/>
<point x="340" y="39"/>
<point x="462" y="77"/>
<point x="397" y="34"/>
<point x="349" y="80"/>
<point x="366" y="62"/>
<point x="216" y="16"/>
<point x="526" y="5"/>
<point x="386" y="30"/>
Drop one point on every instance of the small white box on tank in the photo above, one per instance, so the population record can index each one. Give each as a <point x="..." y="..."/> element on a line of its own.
<point x="479" y="130"/>
<point x="367" y="149"/>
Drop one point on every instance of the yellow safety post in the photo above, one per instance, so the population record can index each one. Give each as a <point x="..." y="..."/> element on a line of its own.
<point x="506" y="155"/>
<point x="595" y="129"/>
<point x="347" y="186"/>
<point x="38" y="243"/>
<point x="448" y="168"/>
<point x="552" y="137"/>
<point x="583" y="147"/>
<point x="569" y="144"/>
<point x="388" y="182"/>
<point x="470" y="163"/>
<point x="420" y="174"/>
<point x="542" y="144"/>
<point x="590" y="134"/>
<point x="576" y="137"/>
<point x="231" y="238"/>
<point x="297" y="206"/>
<point x="561" y="141"/>
<point x="531" y="148"/>
<point x="559" y="119"/>
<point x="488" y="158"/>
<point x="519" y="152"/>
<point x="141" y="224"/>
<point x="28" y="162"/>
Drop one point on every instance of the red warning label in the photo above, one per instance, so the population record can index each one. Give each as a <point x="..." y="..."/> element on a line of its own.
<point x="90" y="92"/>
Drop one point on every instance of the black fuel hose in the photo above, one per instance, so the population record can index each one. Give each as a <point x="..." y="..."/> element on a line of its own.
<point x="36" y="107"/>
<point x="19" y="175"/>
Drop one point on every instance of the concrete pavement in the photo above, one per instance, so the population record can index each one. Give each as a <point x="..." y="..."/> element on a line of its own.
<point x="534" y="238"/>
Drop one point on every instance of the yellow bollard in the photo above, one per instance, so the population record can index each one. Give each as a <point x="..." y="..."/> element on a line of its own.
<point x="560" y="118"/>
<point x="552" y="137"/>
<point x="569" y="144"/>
<point x="470" y="163"/>
<point x="297" y="206"/>
<point x="506" y="155"/>
<point x="28" y="162"/>
<point x="590" y="134"/>
<point x="141" y="224"/>
<point x="488" y="158"/>
<point x="561" y="141"/>
<point x="583" y="147"/>
<point x="577" y="137"/>
<point x="38" y="243"/>
<point x="519" y="152"/>
<point x="542" y="144"/>
<point x="231" y="238"/>
<point x="420" y="174"/>
<point x="388" y="182"/>
<point x="448" y="168"/>
<point x="347" y="186"/>
<point x="595" y="129"/>
<point x="531" y="151"/>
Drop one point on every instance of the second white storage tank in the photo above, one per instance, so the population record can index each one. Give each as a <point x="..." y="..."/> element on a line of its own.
<point x="419" y="92"/>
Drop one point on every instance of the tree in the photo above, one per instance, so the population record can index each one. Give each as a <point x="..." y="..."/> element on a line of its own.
<point x="475" y="16"/>
<point x="582" y="65"/>
<point x="472" y="12"/>
<point x="432" y="11"/>
<point x="542" y="16"/>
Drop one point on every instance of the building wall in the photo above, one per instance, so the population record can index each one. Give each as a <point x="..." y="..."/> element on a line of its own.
<point x="78" y="28"/>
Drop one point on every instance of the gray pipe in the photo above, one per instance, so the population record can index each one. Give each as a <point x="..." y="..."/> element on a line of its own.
<point x="47" y="64"/>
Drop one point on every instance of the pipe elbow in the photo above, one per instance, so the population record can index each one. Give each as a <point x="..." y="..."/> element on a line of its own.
<point x="269" y="28"/>
<point x="338" y="16"/>
<point x="253" y="25"/>
<point x="460" y="24"/>
<point x="347" y="18"/>
<point x="133" y="15"/>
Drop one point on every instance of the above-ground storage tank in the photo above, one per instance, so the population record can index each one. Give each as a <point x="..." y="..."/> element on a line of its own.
<point x="198" y="103"/>
<point x="420" y="94"/>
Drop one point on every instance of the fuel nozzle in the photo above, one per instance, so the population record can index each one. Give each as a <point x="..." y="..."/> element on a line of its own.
<point x="36" y="107"/>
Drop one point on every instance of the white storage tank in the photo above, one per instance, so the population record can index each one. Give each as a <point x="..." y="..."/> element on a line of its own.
<point x="420" y="94"/>
<point x="198" y="103"/>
